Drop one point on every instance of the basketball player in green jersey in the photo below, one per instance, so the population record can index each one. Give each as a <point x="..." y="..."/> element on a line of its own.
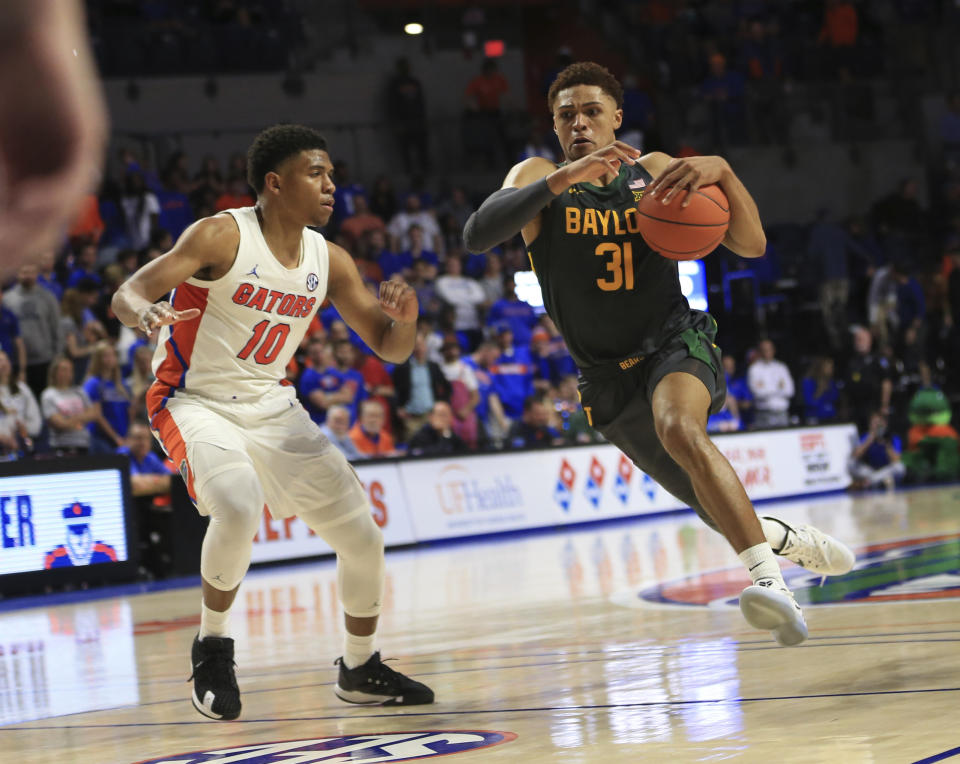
<point x="650" y="374"/>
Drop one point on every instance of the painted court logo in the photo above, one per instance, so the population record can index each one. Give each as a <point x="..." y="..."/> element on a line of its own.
<point x="908" y="570"/>
<point x="402" y="746"/>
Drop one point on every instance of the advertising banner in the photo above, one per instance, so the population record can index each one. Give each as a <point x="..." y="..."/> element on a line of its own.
<point x="489" y="494"/>
<point x="291" y="538"/>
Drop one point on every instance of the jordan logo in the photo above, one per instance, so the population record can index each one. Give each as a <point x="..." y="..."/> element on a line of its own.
<point x="217" y="578"/>
<point x="254" y="271"/>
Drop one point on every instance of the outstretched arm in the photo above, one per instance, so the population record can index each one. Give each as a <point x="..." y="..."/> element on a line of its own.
<point x="209" y="244"/>
<point x="532" y="185"/>
<point x="388" y="324"/>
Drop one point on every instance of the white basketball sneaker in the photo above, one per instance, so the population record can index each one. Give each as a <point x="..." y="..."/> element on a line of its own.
<point x="768" y="605"/>
<point x="814" y="550"/>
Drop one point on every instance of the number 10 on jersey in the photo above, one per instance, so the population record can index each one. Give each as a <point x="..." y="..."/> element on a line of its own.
<point x="269" y="345"/>
<point x="620" y="265"/>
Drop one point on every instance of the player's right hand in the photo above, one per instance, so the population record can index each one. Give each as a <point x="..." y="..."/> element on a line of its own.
<point x="163" y="313"/>
<point x="598" y="163"/>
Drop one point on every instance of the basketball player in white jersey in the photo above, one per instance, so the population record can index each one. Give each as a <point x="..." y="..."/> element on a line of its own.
<point x="246" y="284"/>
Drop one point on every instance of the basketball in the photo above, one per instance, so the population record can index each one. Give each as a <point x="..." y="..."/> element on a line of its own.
<point x="685" y="233"/>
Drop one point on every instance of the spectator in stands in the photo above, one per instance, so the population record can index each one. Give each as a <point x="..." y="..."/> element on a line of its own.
<point x="369" y="434"/>
<point x="867" y="381"/>
<point x="424" y="284"/>
<point x="87" y="227"/>
<point x="237" y="194"/>
<point x="876" y="458"/>
<point x="512" y="373"/>
<point x="771" y="386"/>
<point x="538" y="146"/>
<point x="18" y="402"/>
<point x="344" y="197"/>
<point x="351" y="390"/>
<point x="399" y="226"/>
<point x="723" y="91"/>
<point x="839" y="33"/>
<point x="11" y="342"/>
<point x="358" y="225"/>
<point x="464" y="393"/>
<point x="140" y="379"/>
<point x="67" y="410"/>
<point x="820" y="392"/>
<point x="46" y="275"/>
<point x="75" y="342"/>
<point x="519" y="315"/>
<point x="738" y="388"/>
<point x="419" y="383"/>
<point x="383" y="198"/>
<point x="418" y="251"/>
<point x="534" y="429"/>
<point x="85" y="267"/>
<point x="466" y="296"/>
<point x="141" y="210"/>
<point x="407" y="114"/>
<point x="319" y="382"/>
<point x="110" y="397"/>
<point x="458" y="206"/>
<point x="38" y="312"/>
<point x="436" y="437"/>
<point x="483" y="120"/>
<point x="827" y="250"/>
<point x="492" y="279"/>
<point x="489" y="409"/>
<point x="149" y="474"/>
<point x="337" y="429"/>
<point x="549" y="352"/>
<point x="207" y="182"/>
<point x="574" y="425"/>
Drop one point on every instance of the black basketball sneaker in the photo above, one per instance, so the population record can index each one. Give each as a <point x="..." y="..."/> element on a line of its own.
<point x="215" y="691"/>
<point x="376" y="683"/>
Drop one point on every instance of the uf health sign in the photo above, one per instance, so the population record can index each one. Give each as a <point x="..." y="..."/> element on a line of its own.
<point x="403" y="746"/>
<point x="61" y="520"/>
<point x="512" y="491"/>
<point x="291" y="538"/>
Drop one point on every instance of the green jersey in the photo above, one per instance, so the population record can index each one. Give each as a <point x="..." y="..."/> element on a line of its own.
<point x="609" y="294"/>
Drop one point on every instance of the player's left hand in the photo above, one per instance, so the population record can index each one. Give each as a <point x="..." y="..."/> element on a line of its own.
<point x="399" y="301"/>
<point x="687" y="174"/>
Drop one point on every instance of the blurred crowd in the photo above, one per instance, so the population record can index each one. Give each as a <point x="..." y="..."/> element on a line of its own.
<point x="867" y="331"/>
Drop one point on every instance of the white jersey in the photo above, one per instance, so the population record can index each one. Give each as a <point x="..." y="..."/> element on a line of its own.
<point x="252" y="319"/>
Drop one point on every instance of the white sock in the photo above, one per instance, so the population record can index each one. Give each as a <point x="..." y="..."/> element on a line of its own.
<point x="761" y="563"/>
<point x="357" y="650"/>
<point x="214" y="623"/>
<point x="775" y="532"/>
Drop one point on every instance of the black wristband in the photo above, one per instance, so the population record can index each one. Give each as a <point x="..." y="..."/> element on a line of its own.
<point x="504" y="213"/>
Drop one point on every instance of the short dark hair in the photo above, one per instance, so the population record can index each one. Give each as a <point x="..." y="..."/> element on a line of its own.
<point x="586" y="73"/>
<point x="275" y="144"/>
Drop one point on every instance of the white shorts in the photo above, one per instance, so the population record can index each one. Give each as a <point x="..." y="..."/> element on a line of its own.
<point x="299" y="469"/>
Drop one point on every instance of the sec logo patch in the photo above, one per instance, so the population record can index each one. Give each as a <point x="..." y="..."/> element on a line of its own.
<point x="313" y="281"/>
<point x="400" y="746"/>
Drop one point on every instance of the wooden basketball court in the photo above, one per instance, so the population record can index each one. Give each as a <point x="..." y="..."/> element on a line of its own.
<point x="614" y="643"/>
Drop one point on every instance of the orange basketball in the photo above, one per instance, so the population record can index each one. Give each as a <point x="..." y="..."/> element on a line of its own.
<point x="685" y="233"/>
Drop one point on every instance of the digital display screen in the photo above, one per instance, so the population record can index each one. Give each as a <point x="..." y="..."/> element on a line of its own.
<point x="527" y="289"/>
<point x="693" y="284"/>
<point x="64" y="519"/>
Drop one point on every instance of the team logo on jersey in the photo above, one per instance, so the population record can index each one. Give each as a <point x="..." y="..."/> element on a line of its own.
<point x="313" y="281"/>
<point x="637" y="187"/>
<point x="401" y="746"/>
<point x="909" y="570"/>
